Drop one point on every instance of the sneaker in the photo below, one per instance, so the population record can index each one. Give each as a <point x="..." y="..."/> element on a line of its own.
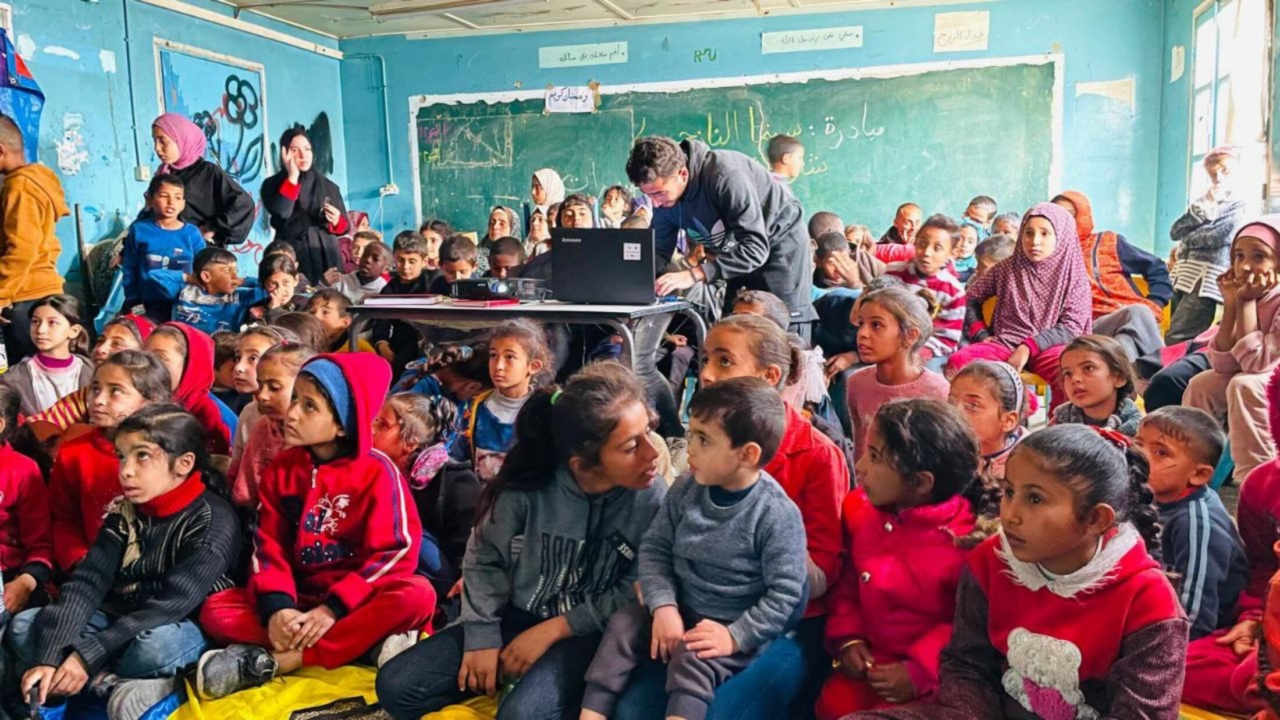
<point x="131" y="699"/>
<point x="394" y="645"/>
<point x="239" y="667"/>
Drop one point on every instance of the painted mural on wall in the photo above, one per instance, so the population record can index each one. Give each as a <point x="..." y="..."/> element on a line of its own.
<point x="20" y="96"/>
<point x="226" y="97"/>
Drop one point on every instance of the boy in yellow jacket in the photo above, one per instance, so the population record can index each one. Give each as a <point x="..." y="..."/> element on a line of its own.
<point x="31" y="203"/>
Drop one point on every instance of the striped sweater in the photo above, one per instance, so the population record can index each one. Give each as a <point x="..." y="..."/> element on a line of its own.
<point x="948" y="323"/>
<point x="153" y="564"/>
<point x="1200" y="545"/>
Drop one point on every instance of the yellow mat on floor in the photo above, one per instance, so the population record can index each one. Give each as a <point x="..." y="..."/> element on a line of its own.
<point x="481" y="708"/>
<point x="1191" y="713"/>
<point x="308" y="688"/>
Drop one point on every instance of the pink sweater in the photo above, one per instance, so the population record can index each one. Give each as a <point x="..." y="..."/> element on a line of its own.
<point x="898" y="588"/>
<point x="866" y="395"/>
<point x="266" y="441"/>
<point x="1257" y="352"/>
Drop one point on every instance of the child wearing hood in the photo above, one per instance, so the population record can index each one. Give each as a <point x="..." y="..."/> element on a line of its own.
<point x="31" y="203"/>
<point x="336" y="547"/>
<point x="1044" y="300"/>
<point x="1120" y="310"/>
<point x="1203" y="235"/>
<point x="1245" y="350"/>
<point x="187" y="354"/>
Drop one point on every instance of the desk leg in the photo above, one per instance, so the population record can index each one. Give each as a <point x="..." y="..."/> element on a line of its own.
<point x="699" y="325"/>
<point x="353" y="333"/>
<point x="628" y="341"/>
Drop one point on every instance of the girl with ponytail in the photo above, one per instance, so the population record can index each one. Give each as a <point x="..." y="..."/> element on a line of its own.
<point x="920" y="509"/>
<point x="1066" y="612"/>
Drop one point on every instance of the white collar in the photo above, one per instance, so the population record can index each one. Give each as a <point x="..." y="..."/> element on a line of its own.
<point x="1093" y="576"/>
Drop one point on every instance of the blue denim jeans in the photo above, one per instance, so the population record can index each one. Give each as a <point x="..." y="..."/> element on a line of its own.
<point x="764" y="691"/>
<point x="160" y="652"/>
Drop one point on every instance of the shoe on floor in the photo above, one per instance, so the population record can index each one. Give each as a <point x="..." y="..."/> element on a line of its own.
<point x="394" y="645"/>
<point x="239" y="667"/>
<point x="131" y="699"/>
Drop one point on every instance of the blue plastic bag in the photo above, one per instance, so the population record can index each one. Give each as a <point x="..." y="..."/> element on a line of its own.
<point x="113" y="304"/>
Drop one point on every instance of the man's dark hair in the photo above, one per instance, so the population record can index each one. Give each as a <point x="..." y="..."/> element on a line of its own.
<point x="457" y="248"/>
<point x="507" y="246"/>
<point x="780" y="146"/>
<point x="653" y="158"/>
<point x="211" y="256"/>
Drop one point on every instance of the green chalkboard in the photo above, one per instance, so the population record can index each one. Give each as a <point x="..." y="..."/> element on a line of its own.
<point x="936" y="138"/>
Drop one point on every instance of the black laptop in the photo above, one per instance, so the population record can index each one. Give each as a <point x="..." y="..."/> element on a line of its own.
<point x="603" y="267"/>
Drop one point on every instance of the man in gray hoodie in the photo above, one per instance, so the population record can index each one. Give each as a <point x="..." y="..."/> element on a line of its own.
<point x="752" y="225"/>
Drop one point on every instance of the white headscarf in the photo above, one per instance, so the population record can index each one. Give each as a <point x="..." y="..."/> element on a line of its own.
<point x="553" y="185"/>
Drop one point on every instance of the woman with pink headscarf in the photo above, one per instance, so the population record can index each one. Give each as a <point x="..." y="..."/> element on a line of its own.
<point x="216" y="204"/>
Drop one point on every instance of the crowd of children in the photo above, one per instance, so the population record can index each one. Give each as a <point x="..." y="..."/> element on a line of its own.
<point x="229" y="483"/>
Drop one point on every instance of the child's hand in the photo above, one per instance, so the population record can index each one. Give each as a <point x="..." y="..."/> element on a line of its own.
<point x="455" y="591"/>
<point x="17" y="593"/>
<point x="280" y="628"/>
<point x="479" y="672"/>
<point x="332" y="276"/>
<point x="311" y="626"/>
<point x="1228" y="286"/>
<point x="1257" y="285"/>
<point x="1018" y="360"/>
<point x="1242" y="638"/>
<point x="675" y="282"/>
<point x="529" y="646"/>
<point x="892" y="682"/>
<point x="280" y="296"/>
<point x="847" y="269"/>
<point x="710" y="639"/>
<point x="855" y="660"/>
<point x="41" y="675"/>
<point x="668" y="629"/>
<point x="678" y="340"/>
<point x="837" y="364"/>
<point x="70" y="677"/>
<point x="385" y="352"/>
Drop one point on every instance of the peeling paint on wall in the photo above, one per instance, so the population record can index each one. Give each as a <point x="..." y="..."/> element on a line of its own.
<point x="108" y="60"/>
<point x="72" y="153"/>
<point x="61" y="52"/>
<point x="26" y="46"/>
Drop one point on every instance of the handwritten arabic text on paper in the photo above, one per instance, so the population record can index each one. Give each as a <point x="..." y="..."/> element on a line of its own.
<point x="802" y="40"/>
<point x="961" y="31"/>
<point x="575" y="99"/>
<point x="614" y="53"/>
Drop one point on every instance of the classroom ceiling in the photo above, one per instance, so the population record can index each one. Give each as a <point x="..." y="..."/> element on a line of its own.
<point x="435" y="18"/>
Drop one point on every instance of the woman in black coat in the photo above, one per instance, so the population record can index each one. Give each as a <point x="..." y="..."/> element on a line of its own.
<point x="216" y="204"/>
<point x="305" y="207"/>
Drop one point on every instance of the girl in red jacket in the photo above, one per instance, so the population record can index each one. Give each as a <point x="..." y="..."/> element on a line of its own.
<point x="188" y="355"/>
<point x="908" y="530"/>
<point x="26" y="538"/>
<point x="336" y="545"/>
<point x="1067" y="612"/>
<point x="809" y="467"/>
<point x="85" y="479"/>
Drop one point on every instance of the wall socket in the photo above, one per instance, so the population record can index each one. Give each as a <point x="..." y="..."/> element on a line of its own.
<point x="389" y="189"/>
<point x="142" y="173"/>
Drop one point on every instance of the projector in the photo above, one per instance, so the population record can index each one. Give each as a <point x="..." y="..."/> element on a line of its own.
<point x="498" y="289"/>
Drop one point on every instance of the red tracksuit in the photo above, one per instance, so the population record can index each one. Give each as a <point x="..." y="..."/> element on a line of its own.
<point x="83" y="484"/>
<point x="195" y="385"/>
<point x="26" y="536"/>
<point x="343" y="533"/>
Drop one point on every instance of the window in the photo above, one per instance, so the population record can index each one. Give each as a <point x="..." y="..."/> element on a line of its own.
<point x="1230" y="74"/>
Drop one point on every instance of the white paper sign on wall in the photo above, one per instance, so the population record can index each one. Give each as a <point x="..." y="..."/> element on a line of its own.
<point x="835" y="38"/>
<point x="559" y="56"/>
<point x="961" y="31"/>
<point x="571" y="99"/>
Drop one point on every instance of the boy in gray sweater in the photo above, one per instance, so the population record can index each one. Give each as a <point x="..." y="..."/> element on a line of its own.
<point x="721" y="566"/>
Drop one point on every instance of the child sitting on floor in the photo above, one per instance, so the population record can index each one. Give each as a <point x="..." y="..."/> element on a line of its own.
<point x="59" y="367"/>
<point x="935" y="245"/>
<point x="26" y="535"/>
<point x="991" y="252"/>
<point x="166" y="544"/>
<point x="215" y="298"/>
<point x="964" y="260"/>
<point x="334" y="553"/>
<point x="279" y="278"/>
<point x="458" y="257"/>
<point x="1067" y="612"/>
<point x="506" y="255"/>
<point x="1199" y="542"/>
<point x="396" y="341"/>
<point x="994" y="399"/>
<point x="717" y="561"/>
<point x="910" y="528"/>
<point x="330" y="307"/>
<point x="1100" y="385"/>
<point x="277" y="370"/>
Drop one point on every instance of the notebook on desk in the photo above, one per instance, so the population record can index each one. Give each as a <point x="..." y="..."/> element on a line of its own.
<point x="603" y="267"/>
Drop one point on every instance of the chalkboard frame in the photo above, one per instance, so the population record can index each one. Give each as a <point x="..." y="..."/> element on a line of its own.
<point x="1057" y="60"/>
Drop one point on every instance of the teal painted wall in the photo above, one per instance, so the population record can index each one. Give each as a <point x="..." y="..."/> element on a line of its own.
<point x="1175" y="126"/>
<point x="61" y="41"/>
<point x="1111" y="149"/>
